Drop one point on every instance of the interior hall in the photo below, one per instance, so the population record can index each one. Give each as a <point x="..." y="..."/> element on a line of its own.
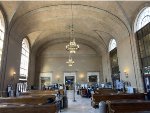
<point x="74" y="56"/>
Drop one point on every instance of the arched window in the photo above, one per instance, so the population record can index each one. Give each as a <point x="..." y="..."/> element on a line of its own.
<point x="112" y="44"/>
<point x="2" y="31"/>
<point x="24" y="60"/>
<point x="142" y="19"/>
<point x="114" y="61"/>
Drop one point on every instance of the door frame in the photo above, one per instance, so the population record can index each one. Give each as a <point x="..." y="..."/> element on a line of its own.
<point x="44" y="74"/>
<point x="93" y="73"/>
<point x="70" y="73"/>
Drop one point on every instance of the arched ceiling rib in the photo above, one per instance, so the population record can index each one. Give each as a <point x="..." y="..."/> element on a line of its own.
<point x="48" y="21"/>
<point x="63" y="12"/>
<point x="83" y="39"/>
<point x="53" y="42"/>
<point x="85" y="20"/>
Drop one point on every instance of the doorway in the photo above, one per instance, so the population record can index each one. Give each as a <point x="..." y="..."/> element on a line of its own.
<point x="69" y="80"/>
<point x="45" y="80"/>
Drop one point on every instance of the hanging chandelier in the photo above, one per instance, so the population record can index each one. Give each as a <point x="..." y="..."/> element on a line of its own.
<point x="70" y="62"/>
<point x="72" y="46"/>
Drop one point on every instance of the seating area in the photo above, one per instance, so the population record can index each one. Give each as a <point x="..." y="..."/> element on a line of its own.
<point x="128" y="106"/>
<point x="104" y="91"/>
<point x="34" y="101"/>
<point x="27" y="100"/>
<point x="114" y="103"/>
<point x="109" y="101"/>
<point x="27" y="108"/>
<point x="97" y="98"/>
<point x="117" y="102"/>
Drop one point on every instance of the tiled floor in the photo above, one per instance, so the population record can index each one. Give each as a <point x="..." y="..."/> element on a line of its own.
<point x="82" y="105"/>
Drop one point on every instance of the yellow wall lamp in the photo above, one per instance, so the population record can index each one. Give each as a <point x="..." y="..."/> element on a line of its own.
<point x="126" y="73"/>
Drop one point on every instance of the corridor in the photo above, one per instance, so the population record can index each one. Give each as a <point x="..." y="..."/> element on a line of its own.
<point x="82" y="104"/>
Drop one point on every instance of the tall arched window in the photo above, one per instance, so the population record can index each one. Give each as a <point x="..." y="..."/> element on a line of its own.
<point x="112" y="44"/>
<point x="2" y="30"/>
<point x="24" y="60"/>
<point x="142" y="19"/>
<point x="142" y="29"/>
<point x="115" y="73"/>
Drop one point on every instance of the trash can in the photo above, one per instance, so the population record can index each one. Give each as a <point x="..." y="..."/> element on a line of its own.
<point x="102" y="107"/>
<point x="65" y="102"/>
<point x="78" y="92"/>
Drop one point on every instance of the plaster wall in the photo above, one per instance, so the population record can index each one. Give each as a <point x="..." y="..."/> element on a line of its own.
<point x="53" y="59"/>
<point x="126" y="62"/>
<point x="12" y="65"/>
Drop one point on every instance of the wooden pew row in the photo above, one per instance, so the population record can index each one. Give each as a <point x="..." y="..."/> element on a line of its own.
<point x="128" y="106"/>
<point x="31" y="102"/>
<point x="42" y="92"/>
<point x="27" y="100"/>
<point x="96" y="98"/>
<point x="12" y="108"/>
<point x="105" y="91"/>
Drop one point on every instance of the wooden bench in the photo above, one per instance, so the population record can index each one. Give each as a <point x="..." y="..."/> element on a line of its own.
<point x="42" y="92"/>
<point x="27" y="100"/>
<point x="21" y="108"/>
<point x="105" y="91"/>
<point x="96" y="98"/>
<point x="84" y="92"/>
<point x="128" y="106"/>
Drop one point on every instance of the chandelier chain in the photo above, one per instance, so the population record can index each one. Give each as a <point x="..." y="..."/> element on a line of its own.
<point x="72" y="47"/>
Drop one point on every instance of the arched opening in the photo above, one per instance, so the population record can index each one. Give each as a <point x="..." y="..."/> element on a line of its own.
<point x="22" y="85"/>
<point x="115" y="73"/>
<point x="142" y="18"/>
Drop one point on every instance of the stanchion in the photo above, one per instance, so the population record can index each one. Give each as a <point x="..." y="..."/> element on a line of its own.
<point x="74" y="100"/>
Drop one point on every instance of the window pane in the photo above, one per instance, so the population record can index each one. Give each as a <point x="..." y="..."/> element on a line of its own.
<point x="143" y="18"/>
<point x="24" y="59"/>
<point x="112" y="44"/>
<point x="1" y="35"/>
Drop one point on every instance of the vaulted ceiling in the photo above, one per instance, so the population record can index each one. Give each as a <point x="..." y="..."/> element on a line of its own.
<point x="95" y="23"/>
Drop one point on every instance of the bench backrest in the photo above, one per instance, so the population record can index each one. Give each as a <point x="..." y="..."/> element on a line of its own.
<point x="42" y="92"/>
<point x="27" y="100"/>
<point x="52" y="108"/>
<point x="127" y="106"/>
<point x="98" y="98"/>
<point x="105" y="91"/>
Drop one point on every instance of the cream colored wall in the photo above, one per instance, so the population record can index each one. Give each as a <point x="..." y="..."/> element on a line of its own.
<point x="53" y="59"/>
<point x="126" y="62"/>
<point x="31" y="72"/>
<point x="137" y="64"/>
<point x="106" y="67"/>
<point x="12" y="64"/>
